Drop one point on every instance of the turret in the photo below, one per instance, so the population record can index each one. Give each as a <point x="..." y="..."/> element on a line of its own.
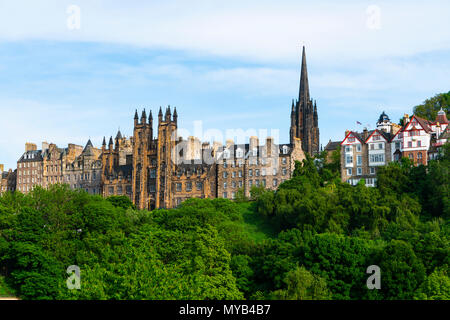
<point x="150" y="118"/>
<point x="168" y="114"/>
<point x="175" y="115"/>
<point x="136" y="118"/>
<point x="118" y="139"/>
<point x="104" y="144"/>
<point x="160" y="115"/>
<point x="110" y="144"/>
<point x="144" y="117"/>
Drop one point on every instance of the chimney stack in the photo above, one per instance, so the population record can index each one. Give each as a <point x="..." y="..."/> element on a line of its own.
<point x="30" y="147"/>
<point x="365" y="134"/>
<point x="405" y="119"/>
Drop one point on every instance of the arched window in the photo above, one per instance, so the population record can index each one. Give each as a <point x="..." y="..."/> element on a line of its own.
<point x="285" y="149"/>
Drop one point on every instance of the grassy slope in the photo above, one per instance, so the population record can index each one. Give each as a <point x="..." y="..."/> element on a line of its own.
<point x="254" y="224"/>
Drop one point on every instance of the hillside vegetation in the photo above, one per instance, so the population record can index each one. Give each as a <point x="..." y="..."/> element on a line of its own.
<point x="313" y="238"/>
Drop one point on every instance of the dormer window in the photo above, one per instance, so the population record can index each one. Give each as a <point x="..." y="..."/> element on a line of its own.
<point x="285" y="149"/>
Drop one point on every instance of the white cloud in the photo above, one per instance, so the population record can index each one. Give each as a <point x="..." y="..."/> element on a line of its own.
<point x="259" y="30"/>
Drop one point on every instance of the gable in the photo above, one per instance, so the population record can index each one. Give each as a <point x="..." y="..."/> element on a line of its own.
<point x="351" y="138"/>
<point x="376" y="136"/>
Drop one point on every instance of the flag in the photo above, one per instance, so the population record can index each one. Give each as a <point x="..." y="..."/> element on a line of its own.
<point x="357" y="122"/>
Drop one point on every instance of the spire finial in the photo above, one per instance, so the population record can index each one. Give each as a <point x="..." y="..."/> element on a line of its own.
<point x="304" y="85"/>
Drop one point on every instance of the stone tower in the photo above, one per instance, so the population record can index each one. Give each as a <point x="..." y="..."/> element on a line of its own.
<point x="167" y="138"/>
<point x="304" y="119"/>
<point x="142" y="147"/>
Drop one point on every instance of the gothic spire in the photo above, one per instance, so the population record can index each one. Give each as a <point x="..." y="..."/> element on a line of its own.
<point x="143" y="116"/>
<point x="119" y="135"/>
<point x="175" y="115"/>
<point x="168" y="114"/>
<point x="304" y="86"/>
<point x="104" y="141"/>
<point x="136" y="115"/>
<point x="150" y="117"/>
<point x="160" y="115"/>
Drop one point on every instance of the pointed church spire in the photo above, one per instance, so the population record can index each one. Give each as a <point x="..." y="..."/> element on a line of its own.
<point x="136" y="115"/>
<point x="104" y="141"/>
<point x="304" y="85"/>
<point x="150" y="117"/>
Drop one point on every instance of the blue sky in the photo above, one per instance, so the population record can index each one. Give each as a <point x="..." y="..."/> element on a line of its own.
<point x="233" y="65"/>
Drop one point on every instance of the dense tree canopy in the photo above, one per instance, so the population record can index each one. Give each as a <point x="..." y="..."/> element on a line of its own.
<point x="313" y="238"/>
<point x="430" y="107"/>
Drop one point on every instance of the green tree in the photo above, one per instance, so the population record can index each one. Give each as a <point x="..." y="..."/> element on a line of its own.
<point x="303" y="285"/>
<point x="401" y="271"/>
<point x="430" y="107"/>
<point x="435" y="287"/>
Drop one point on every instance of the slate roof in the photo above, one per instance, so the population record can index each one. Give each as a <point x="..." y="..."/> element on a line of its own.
<point x="31" y="156"/>
<point x="332" y="145"/>
<point x="383" y="117"/>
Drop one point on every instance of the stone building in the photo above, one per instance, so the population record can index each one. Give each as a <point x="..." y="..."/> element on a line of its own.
<point x="115" y="167"/>
<point x="29" y="169"/>
<point x="304" y="118"/>
<point x="331" y="147"/>
<point x="7" y="180"/>
<point x="52" y="164"/>
<point x="165" y="170"/>
<point x="247" y="165"/>
<point x="85" y="170"/>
